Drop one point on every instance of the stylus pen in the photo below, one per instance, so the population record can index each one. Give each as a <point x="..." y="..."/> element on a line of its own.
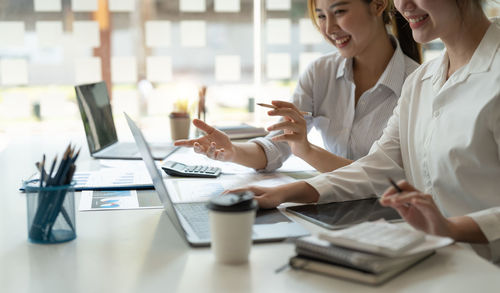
<point x="274" y="107"/>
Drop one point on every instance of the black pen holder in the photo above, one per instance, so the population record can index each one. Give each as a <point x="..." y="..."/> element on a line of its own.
<point x="51" y="212"/>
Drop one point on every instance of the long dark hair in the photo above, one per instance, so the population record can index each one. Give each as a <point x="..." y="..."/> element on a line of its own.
<point x="401" y="28"/>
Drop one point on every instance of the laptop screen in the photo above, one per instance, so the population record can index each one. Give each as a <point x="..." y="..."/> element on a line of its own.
<point x="95" y="108"/>
<point x="153" y="171"/>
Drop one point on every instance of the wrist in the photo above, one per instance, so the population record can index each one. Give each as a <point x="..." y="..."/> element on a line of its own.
<point x="303" y="151"/>
<point x="453" y="230"/>
<point x="301" y="192"/>
<point x="233" y="152"/>
<point x="465" y="229"/>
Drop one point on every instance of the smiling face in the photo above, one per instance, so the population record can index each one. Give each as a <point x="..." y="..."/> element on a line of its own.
<point x="350" y="25"/>
<point x="430" y="19"/>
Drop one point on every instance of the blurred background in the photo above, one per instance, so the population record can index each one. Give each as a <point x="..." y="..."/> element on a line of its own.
<point x="152" y="53"/>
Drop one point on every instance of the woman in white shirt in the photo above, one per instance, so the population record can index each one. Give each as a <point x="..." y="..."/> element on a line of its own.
<point x="444" y="136"/>
<point x="351" y="93"/>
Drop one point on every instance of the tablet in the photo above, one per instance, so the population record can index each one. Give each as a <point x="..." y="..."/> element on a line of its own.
<point x="338" y="215"/>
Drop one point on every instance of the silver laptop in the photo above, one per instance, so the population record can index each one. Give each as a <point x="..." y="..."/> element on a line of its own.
<point x="191" y="219"/>
<point x="95" y="108"/>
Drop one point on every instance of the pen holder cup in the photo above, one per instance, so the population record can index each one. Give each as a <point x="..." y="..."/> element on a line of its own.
<point x="51" y="212"/>
<point x="179" y="125"/>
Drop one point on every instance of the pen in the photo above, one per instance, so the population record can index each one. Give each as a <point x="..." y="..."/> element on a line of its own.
<point x="274" y="107"/>
<point x="399" y="190"/>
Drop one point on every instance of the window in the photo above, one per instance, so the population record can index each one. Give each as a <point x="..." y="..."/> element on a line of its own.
<point x="152" y="52"/>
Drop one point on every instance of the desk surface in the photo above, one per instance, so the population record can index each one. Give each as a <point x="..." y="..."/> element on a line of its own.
<point x="140" y="251"/>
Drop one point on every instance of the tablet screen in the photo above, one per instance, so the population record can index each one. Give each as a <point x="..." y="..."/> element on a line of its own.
<point x="338" y="215"/>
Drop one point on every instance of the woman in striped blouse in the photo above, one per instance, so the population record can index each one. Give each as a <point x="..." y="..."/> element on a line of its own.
<point x="350" y="93"/>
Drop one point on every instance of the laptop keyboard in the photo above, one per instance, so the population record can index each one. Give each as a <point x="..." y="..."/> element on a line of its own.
<point x="196" y="214"/>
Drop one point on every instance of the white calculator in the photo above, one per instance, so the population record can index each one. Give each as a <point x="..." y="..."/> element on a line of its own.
<point x="177" y="169"/>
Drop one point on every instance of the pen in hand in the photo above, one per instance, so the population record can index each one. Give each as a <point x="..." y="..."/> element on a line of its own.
<point x="398" y="189"/>
<point x="274" y="107"/>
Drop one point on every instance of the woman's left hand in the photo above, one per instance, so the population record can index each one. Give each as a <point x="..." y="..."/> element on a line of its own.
<point x="293" y="125"/>
<point x="418" y="209"/>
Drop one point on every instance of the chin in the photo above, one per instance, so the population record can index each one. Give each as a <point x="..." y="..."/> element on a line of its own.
<point x="346" y="53"/>
<point x="422" y="38"/>
<point x="347" y="56"/>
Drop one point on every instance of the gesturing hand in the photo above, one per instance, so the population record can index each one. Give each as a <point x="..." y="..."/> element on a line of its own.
<point x="215" y="144"/>
<point x="293" y="125"/>
<point x="418" y="209"/>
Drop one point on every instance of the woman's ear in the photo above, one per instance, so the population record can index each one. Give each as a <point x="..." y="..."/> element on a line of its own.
<point x="378" y="6"/>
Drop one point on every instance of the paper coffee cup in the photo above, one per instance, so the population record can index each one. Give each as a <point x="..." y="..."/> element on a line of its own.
<point x="231" y="220"/>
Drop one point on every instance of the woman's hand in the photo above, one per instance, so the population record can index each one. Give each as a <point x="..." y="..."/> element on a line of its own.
<point x="293" y="126"/>
<point x="215" y="144"/>
<point x="418" y="209"/>
<point x="267" y="197"/>
<point x="271" y="197"/>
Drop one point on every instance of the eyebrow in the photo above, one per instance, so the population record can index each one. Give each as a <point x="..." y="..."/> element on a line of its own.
<point x="334" y="5"/>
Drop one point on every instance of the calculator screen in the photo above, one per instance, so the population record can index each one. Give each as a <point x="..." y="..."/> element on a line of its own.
<point x="178" y="166"/>
<point x="338" y="215"/>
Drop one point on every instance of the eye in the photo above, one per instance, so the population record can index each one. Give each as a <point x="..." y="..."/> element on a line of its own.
<point x="339" y="12"/>
<point x="321" y="16"/>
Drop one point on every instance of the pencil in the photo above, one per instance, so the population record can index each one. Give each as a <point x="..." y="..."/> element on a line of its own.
<point x="274" y="107"/>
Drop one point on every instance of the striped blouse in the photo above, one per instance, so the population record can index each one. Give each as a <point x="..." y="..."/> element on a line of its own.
<point x="327" y="90"/>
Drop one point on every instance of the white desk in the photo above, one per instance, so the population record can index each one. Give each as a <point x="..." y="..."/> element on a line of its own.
<point x="139" y="251"/>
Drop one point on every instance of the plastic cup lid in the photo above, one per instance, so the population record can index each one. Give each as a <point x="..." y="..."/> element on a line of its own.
<point x="233" y="202"/>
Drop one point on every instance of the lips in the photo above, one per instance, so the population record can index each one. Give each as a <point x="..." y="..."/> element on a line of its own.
<point x="417" y="20"/>
<point x="342" y="41"/>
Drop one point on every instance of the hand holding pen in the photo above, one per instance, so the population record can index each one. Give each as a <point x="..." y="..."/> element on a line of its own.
<point x="293" y="126"/>
<point x="416" y="208"/>
<point x="275" y="107"/>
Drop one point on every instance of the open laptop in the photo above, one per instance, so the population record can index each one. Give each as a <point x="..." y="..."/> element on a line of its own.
<point x="191" y="219"/>
<point x="95" y="108"/>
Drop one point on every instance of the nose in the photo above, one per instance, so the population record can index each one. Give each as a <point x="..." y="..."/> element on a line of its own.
<point x="331" y="25"/>
<point x="404" y="5"/>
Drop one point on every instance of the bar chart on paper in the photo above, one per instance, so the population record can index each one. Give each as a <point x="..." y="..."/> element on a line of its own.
<point x="108" y="200"/>
<point x="112" y="199"/>
<point x="112" y="179"/>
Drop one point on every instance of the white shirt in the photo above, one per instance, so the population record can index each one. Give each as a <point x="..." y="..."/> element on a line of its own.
<point x="327" y="90"/>
<point x="444" y="138"/>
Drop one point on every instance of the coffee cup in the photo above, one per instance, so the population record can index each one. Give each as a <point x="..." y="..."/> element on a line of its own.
<point x="231" y="220"/>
